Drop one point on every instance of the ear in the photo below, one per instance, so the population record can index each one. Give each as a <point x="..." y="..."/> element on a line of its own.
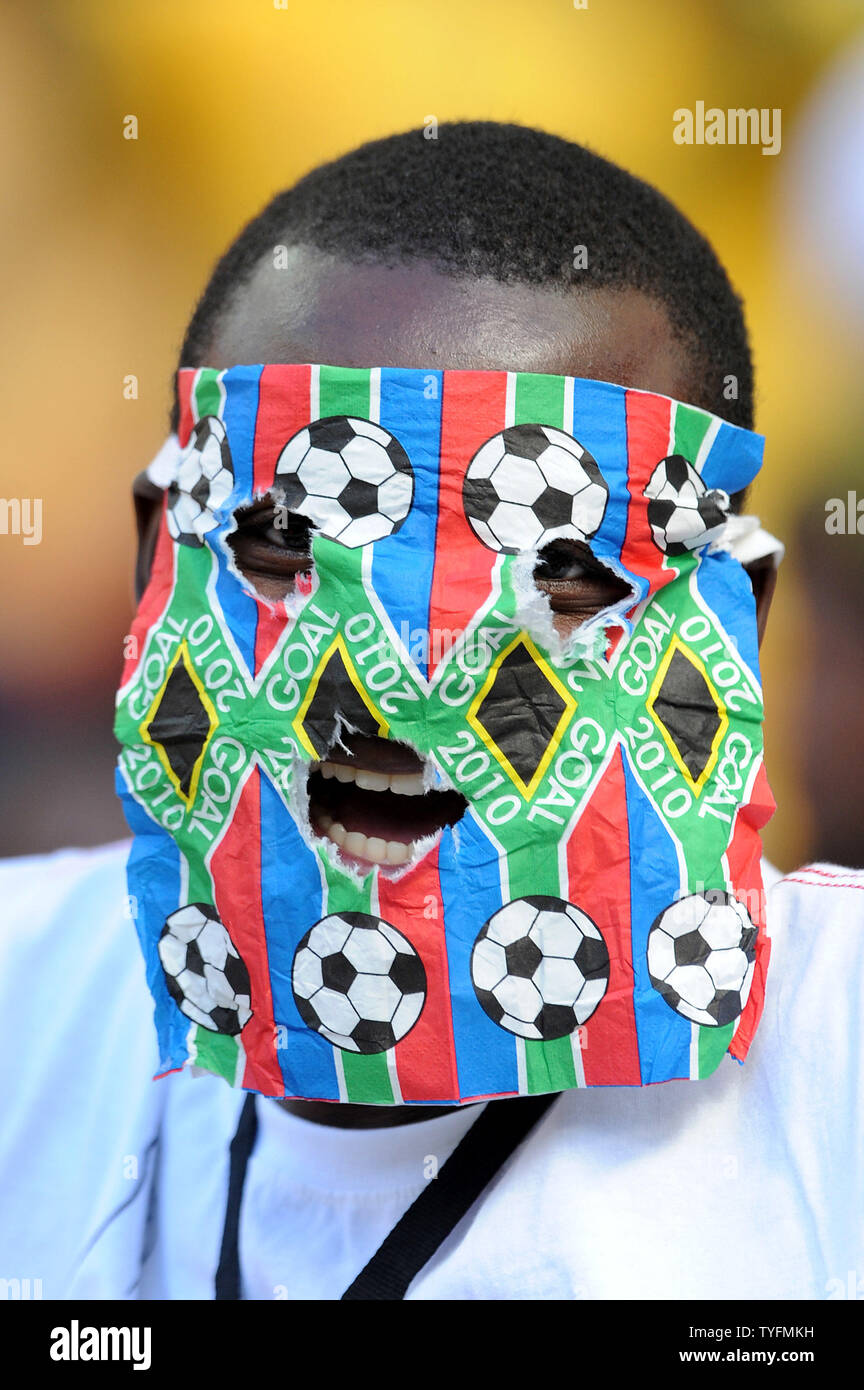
<point x="148" y="514"/>
<point x="763" y="577"/>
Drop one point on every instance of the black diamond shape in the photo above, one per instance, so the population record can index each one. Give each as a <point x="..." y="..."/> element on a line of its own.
<point x="180" y="725"/>
<point x="336" y="701"/>
<point x="688" y="711"/>
<point x="520" y="685"/>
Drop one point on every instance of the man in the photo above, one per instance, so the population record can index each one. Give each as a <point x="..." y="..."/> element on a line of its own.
<point x="500" y="249"/>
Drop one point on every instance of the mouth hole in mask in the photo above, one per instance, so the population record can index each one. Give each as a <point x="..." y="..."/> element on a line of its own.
<point x="371" y="800"/>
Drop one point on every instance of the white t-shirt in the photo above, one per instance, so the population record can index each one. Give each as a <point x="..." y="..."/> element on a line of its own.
<point x="317" y="1188"/>
<point x="749" y="1184"/>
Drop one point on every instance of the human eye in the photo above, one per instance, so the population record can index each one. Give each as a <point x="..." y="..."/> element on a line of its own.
<point x="272" y="546"/>
<point x="577" y="584"/>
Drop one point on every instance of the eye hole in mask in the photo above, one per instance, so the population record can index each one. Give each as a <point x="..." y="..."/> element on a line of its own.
<point x="577" y="584"/>
<point x="272" y="547"/>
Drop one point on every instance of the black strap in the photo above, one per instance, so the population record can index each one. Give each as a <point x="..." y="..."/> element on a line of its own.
<point x="426" y="1224"/>
<point x="228" y="1271"/>
<point x="429" y="1220"/>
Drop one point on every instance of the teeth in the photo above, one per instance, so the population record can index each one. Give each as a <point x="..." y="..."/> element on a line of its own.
<point x="371" y="848"/>
<point x="355" y="843"/>
<point x="408" y="784"/>
<point x="372" y="781"/>
<point x="337" y="833"/>
<point x="402" y="783"/>
<point x="397" y="853"/>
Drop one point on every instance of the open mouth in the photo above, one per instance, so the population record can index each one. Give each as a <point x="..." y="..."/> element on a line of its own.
<point x="369" y="799"/>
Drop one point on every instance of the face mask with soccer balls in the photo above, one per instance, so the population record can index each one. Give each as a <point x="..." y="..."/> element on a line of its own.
<point x="404" y="834"/>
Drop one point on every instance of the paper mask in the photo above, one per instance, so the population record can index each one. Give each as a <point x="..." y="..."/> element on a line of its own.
<point x="596" y="915"/>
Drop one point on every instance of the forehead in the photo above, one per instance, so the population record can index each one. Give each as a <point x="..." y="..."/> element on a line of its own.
<point x="306" y="306"/>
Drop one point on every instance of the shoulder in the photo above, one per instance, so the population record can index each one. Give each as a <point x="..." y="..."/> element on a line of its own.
<point x="816" y="973"/>
<point x="817" y="908"/>
<point x="829" y="879"/>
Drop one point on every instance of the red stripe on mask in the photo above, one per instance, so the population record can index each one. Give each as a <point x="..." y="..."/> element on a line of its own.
<point x="426" y="1057"/>
<point x="472" y="410"/>
<point x="744" y="858"/>
<point x="648" y="424"/>
<point x="238" y="902"/>
<point x="598" y="871"/>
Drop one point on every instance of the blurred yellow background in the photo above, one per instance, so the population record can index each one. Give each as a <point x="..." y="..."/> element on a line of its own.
<point x="106" y="243"/>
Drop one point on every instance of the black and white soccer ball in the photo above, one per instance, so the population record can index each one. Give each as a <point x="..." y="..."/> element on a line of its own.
<point x="540" y="967"/>
<point x="683" y="514"/>
<point x="205" y="976"/>
<point x="701" y="957"/>
<point x="350" y="477"/>
<point x="358" y="982"/>
<point x="203" y="484"/>
<point x="532" y="484"/>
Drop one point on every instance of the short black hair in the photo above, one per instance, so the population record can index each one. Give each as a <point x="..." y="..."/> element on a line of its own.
<point x="506" y="201"/>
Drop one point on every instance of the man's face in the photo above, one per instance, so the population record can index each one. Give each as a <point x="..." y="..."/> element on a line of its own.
<point x="367" y="792"/>
<point x="319" y="308"/>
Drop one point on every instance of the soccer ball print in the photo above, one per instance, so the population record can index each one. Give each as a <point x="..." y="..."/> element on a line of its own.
<point x="358" y="982"/>
<point x="205" y="976"/>
<point x="204" y="482"/>
<point x="683" y="514"/>
<point x="350" y="477"/>
<point x="701" y="954"/>
<point x="540" y="967"/>
<point x="532" y="484"/>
